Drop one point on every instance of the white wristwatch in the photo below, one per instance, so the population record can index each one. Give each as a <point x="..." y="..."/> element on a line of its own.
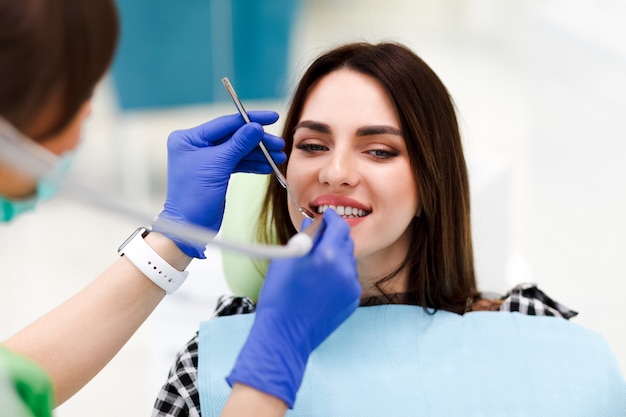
<point x="150" y="263"/>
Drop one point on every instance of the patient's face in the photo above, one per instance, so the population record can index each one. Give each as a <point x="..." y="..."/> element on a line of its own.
<point x="348" y="152"/>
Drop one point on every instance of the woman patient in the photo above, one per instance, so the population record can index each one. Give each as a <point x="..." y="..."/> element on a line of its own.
<point x="372" y="133"/>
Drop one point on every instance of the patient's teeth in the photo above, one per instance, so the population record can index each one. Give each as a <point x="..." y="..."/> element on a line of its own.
<point x="345" y="211"/>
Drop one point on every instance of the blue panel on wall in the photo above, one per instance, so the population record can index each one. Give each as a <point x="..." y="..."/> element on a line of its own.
<point x="261" y="32"/>
<point x="175" y="53"/>
<point x="164" y="56"/>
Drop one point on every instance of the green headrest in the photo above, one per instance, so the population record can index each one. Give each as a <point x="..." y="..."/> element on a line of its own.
<point x="244" y="275"/>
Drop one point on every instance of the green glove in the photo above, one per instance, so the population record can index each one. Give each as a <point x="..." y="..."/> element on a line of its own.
<point x="25" y="389"/>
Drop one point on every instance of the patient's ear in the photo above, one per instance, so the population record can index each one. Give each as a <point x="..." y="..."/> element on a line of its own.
<point x="244" y="275"/>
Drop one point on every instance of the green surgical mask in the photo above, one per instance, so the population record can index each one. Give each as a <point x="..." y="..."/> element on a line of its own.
<point x="47" y="186"/>
<point x="32" y="159"/>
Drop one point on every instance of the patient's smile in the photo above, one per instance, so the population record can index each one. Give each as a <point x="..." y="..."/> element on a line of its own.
<point x="344" y="211"/>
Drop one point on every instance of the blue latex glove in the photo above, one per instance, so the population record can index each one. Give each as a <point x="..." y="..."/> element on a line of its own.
<point x="302" y="301"/>
<point x="200" y="162"/>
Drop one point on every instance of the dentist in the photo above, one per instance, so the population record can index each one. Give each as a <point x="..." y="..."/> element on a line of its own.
<point x="52" y="55"/>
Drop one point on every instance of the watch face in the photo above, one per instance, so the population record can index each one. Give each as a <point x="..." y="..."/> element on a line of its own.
<point x="142" y="231"/>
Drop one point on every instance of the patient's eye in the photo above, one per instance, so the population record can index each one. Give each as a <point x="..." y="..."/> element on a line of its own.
<point x="309" y="147"/>
<point x="382" y="154"/>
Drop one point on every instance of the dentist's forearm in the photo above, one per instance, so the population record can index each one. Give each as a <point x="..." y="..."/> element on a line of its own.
<point x="73" y="342"/>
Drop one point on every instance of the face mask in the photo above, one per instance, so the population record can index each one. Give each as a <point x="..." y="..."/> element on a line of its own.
<point x="47" y="186"/>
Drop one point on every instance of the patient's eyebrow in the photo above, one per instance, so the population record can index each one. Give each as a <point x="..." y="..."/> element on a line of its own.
<point x="317" y="126"/>
<point x="378" y="130"/>
<point x="362" y="131"/>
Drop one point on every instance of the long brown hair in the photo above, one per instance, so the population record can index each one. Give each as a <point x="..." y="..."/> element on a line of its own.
<point x="440" y="259"/>
<point x="49" y="47"/>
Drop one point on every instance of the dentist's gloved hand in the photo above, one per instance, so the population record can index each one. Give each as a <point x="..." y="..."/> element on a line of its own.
<point x="200" y="162"/>
<point x="302" y="301"/>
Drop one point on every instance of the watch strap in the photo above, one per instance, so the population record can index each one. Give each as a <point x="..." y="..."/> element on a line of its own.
<point x="155" y="268"/>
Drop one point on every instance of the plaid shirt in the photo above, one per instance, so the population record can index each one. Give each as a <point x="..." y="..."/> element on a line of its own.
<point x="179" y="396"/>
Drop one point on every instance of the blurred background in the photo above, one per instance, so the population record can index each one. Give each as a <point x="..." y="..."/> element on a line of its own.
<point x="541" y="96"/>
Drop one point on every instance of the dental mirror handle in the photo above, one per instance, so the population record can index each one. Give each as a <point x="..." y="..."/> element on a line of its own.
<point x="279" y="175"/>
<point x="244" y="114"/>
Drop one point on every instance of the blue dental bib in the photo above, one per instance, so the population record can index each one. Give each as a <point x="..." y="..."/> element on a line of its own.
<point x="398" y="360"/>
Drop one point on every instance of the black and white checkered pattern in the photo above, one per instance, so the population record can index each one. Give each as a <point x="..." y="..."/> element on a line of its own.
<point x="229" y="306"/>
<point x="528" y="299"/>
<point x="179" y="396"/>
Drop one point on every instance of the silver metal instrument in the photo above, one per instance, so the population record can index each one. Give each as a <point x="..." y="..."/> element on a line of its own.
<point x="279" y="175"/>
